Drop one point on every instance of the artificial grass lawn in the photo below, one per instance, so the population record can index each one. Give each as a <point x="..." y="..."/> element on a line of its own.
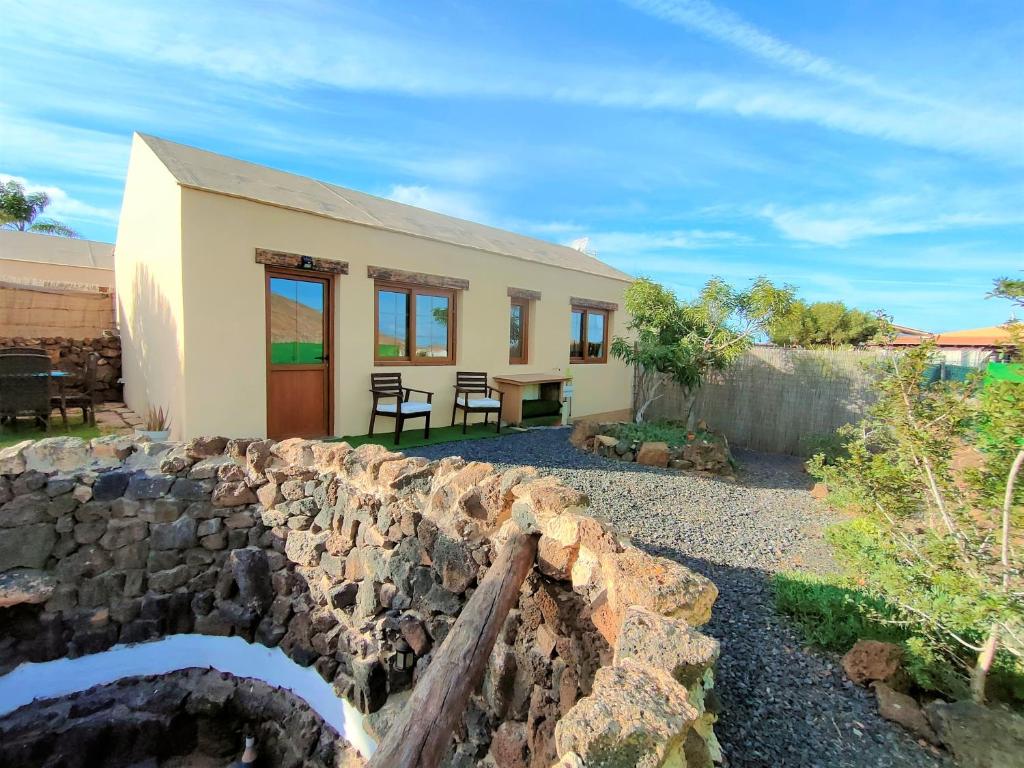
<point x="29" y="431"/>
<point x="412" y="436"/>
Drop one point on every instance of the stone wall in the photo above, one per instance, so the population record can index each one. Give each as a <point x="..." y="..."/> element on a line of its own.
<point x="70" y="355"/>
<point x="190" y="715"/>
<point x="358" y="562"/>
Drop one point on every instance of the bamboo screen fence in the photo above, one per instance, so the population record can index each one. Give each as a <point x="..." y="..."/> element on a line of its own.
<point x="39" y="309"/>
<point x="776" y="399"/>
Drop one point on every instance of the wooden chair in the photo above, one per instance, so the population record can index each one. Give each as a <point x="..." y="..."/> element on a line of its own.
<point x="389" y="385"/>
<point x="84" y="398"/>
<point x="468" y="384"/>
<point x="25" y="388"/>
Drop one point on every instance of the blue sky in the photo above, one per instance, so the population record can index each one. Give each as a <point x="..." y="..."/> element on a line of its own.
<point x="865" y="151"/>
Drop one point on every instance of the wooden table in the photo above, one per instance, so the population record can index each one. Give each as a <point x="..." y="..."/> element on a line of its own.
<point x="513" y="386"/>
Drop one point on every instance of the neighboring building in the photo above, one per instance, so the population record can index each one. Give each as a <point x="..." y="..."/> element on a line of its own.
<point x="972" y="347"/>
<point x="33" y="257"/>
<point x="55" y="286"/>
<point x="235" y="281"/>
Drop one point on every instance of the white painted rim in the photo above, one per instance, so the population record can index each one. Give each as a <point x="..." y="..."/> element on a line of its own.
<point x="61" y="677"/>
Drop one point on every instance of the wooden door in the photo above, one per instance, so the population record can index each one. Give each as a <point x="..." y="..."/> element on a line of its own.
<point x="299" y="365"/>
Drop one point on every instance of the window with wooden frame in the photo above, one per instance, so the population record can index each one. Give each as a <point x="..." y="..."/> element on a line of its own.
<point x="519" y="331"/>
<point x="588" y="335"/>
<point x="413" y="325"/>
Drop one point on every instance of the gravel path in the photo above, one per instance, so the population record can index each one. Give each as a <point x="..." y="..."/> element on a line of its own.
<point x="783" y="705"/>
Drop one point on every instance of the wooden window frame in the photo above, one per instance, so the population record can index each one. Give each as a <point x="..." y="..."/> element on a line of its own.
<point x="586" y="312"/>
<point x="524" y="331"/>
<point x="412" y="291"/>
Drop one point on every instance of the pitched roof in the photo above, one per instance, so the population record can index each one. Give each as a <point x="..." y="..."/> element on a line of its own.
<point x="50" y="249"/>
<point x="990" y="336"/>
<point x="199" y="169"/>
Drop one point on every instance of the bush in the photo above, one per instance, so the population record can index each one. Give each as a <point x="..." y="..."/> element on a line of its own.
<point x="835" y="611"/>
<point x="658" y="431"/>
<point x="830" y="447"/>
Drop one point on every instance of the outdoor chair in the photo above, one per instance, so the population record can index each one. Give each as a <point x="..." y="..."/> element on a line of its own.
<point x="25" y="388"/>
<point x="387" y="386"/>
<point x="474" y="395"/>
<point x="84" y="397"/>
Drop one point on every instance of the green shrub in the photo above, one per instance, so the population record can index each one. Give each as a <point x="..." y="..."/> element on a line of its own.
<point x="658" y="431"/>
<point x="830" y="447"/>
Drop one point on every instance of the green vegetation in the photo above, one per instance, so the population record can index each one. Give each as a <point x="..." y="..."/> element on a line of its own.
<point x="825" y="324"/>
<point x="412" y="437"/>
<point x="21" y="211"/>
<point x="27" y="431"/>
<point x="296" y="352"/>
<point x="657" y="431"/>
<point x="684" y="341"/>
<point x="931" y="475"/>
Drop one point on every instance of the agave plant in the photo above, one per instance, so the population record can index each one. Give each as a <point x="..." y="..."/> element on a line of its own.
<point x="157" y="420"/>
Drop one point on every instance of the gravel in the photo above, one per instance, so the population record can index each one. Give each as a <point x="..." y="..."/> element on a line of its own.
<point x="783" y="704"/>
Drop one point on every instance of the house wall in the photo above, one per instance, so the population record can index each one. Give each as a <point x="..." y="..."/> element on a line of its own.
<point x="222" y="298"/>
<point x="149" y="288"/>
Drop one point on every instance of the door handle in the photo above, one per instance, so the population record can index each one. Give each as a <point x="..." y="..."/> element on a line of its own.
<point x="321" y="357"/>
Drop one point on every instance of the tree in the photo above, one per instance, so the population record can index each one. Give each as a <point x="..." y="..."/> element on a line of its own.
<point x="825" y="323"/>
<point x="683" y="341"/>
<point x="935" y="540"/>
<point x="21" y="211"/>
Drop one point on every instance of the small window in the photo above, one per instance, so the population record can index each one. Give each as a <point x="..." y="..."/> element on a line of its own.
<point x="588" y="335"/>
<point x="519" y="331"/>
<point x="414" y="325"/>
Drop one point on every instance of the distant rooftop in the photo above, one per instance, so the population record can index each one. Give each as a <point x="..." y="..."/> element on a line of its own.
<point x="50" y="249"/>
<point x="199" y="169"/>
<point x="990" y="336"/>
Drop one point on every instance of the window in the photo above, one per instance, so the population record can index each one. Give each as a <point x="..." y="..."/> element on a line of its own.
<point x="588" y="335"/>
<point x="415" y="326"/>
<point x="297" y="321"/>
<point x="519" y="331"/>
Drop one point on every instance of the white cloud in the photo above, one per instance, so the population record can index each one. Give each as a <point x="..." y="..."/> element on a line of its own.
<point x="63" y="206"/>
<point x="336" y="48"/>
<point x="43" y="143"/>
<point x="673" y="240"/>
<point x="839" y="224"/>
<point x="456" y="204"/>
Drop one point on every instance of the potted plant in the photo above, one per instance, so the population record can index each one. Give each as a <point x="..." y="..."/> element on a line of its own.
<point x="156" y="426"/>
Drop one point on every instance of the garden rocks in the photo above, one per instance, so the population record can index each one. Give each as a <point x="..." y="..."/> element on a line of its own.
<point x="871" y="660"/>
<point x="979" y="737"/>
<point x="703" y="452"/>
<point x="904" y="710"/>
<point x="651" y="454"/>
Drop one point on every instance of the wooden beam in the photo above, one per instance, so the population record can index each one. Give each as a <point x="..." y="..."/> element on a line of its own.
<point x="298" y="261"/>
<point x="610" y="306"/>
<point x="389" y="275"/>
<point x="524" y="293"/>
<point x="422" y="732"/>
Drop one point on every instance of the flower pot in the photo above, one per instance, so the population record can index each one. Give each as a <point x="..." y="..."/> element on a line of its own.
<point x="157" y="436"/>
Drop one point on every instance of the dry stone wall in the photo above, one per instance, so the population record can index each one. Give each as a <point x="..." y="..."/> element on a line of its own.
<point x="195" y="715"/>
<point x="71" y="354"/>
<point x="358" y="562"/>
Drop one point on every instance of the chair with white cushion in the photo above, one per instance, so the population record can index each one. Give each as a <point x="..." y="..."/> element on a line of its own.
<point x="388" y="386"/>
<point x="474" y="395"/>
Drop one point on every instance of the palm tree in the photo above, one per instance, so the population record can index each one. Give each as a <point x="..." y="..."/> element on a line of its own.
<point x="21" y="211"/>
